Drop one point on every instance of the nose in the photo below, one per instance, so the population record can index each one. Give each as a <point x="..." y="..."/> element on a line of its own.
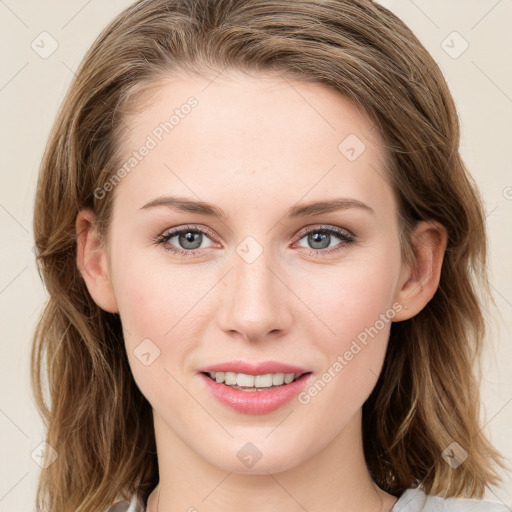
<point x="256" y="302"/>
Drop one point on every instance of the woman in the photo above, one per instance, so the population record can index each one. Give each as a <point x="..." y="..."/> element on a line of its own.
<point x="262" y="251"/>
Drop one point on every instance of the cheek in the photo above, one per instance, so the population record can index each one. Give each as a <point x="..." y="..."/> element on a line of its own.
<point x="353" y="296"/>
<point x="153" y="310"/>
<point x="151" y="294"/>
<point x="356" y="305"/>
<point x="156" y="302"/>
<point x="138" y="292"/>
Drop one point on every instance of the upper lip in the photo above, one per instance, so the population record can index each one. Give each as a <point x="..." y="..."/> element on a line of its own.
<point x="261" y="368"/>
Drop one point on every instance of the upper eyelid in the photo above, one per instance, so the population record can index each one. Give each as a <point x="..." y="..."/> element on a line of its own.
<point x="171" y="232"/>
<point x="324" y="227"/>
<point x="177" y="230"/>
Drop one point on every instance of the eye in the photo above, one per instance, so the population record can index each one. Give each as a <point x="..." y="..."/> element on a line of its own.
<point x="189" y="240"/>
<point x="320" y="238"/>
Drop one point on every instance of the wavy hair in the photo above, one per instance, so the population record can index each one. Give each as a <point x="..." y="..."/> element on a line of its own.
<point x="427" y="395"/>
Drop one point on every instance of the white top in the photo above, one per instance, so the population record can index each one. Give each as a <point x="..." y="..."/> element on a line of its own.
<point x="412" y="500"/>
<point x="415" y="500"/>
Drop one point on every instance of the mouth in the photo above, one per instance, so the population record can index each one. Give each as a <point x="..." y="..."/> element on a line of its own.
<point x="255" y="394"/>
<point x="254" y="383"/>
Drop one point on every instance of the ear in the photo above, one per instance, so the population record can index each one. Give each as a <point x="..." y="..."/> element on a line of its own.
<point x="419" y="280"/>
<point x="92" y="262"/>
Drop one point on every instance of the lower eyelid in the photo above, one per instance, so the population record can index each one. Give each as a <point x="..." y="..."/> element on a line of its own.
<point x="167" y="237"/>
<point x="344" y="236"/>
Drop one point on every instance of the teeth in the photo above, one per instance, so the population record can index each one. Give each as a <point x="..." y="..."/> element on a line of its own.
<point x="229" y="378"/>
<point x="253" y="381"/>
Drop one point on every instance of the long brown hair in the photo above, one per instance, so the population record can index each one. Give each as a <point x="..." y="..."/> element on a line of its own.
<point x="427" y="395"/>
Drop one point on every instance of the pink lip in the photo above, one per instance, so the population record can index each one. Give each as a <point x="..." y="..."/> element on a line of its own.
<point x="255" y="402"/>
<point x="254" y="368"/>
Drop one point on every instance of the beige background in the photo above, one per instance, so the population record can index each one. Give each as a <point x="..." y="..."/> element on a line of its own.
<point x="32" y="87"/>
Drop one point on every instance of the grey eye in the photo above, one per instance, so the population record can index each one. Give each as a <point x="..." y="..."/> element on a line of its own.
<point x="190" y="239"/>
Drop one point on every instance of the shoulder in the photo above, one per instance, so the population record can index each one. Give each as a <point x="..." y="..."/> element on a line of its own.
<point x="415" y="500"/>
<point x="134" y="505"/>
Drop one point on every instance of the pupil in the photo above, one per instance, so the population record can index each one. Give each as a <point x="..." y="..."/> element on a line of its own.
<point x="188" y="238"/>
<point x="318" y="239"/>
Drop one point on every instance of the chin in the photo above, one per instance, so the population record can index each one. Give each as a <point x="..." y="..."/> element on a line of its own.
<point x="252" y="458"/>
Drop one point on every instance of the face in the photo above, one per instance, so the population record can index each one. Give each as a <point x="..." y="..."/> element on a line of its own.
<point x="267" y="280"/>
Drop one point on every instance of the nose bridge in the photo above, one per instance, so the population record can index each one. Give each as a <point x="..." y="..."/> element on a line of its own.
<point x="256" y="304"/>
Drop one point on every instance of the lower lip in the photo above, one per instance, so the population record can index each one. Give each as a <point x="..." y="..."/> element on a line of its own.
<point x="256" y="402"/>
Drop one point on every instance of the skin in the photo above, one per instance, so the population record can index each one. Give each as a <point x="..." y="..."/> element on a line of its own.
<point x="256" y="147"/>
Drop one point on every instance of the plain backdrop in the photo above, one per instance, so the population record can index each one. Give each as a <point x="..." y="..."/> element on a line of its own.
<point x="42" y="44"/>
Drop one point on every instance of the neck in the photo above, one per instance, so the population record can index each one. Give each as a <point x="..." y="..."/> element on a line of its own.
<point x="336" y="478"/>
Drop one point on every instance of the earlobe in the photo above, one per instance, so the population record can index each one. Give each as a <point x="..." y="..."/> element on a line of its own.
<point x="92" y="262"/>
<point x="419" y="280"/>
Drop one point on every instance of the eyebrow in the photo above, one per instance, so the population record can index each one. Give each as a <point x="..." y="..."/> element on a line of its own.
<point x="185" y="204"/>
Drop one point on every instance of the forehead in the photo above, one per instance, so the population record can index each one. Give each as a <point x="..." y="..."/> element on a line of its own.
<point x="250" y="136"/>
<point x="285" y="108"/>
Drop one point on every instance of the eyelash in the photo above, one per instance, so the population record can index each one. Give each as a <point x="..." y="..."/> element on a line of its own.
<point x="346" y="237"/>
